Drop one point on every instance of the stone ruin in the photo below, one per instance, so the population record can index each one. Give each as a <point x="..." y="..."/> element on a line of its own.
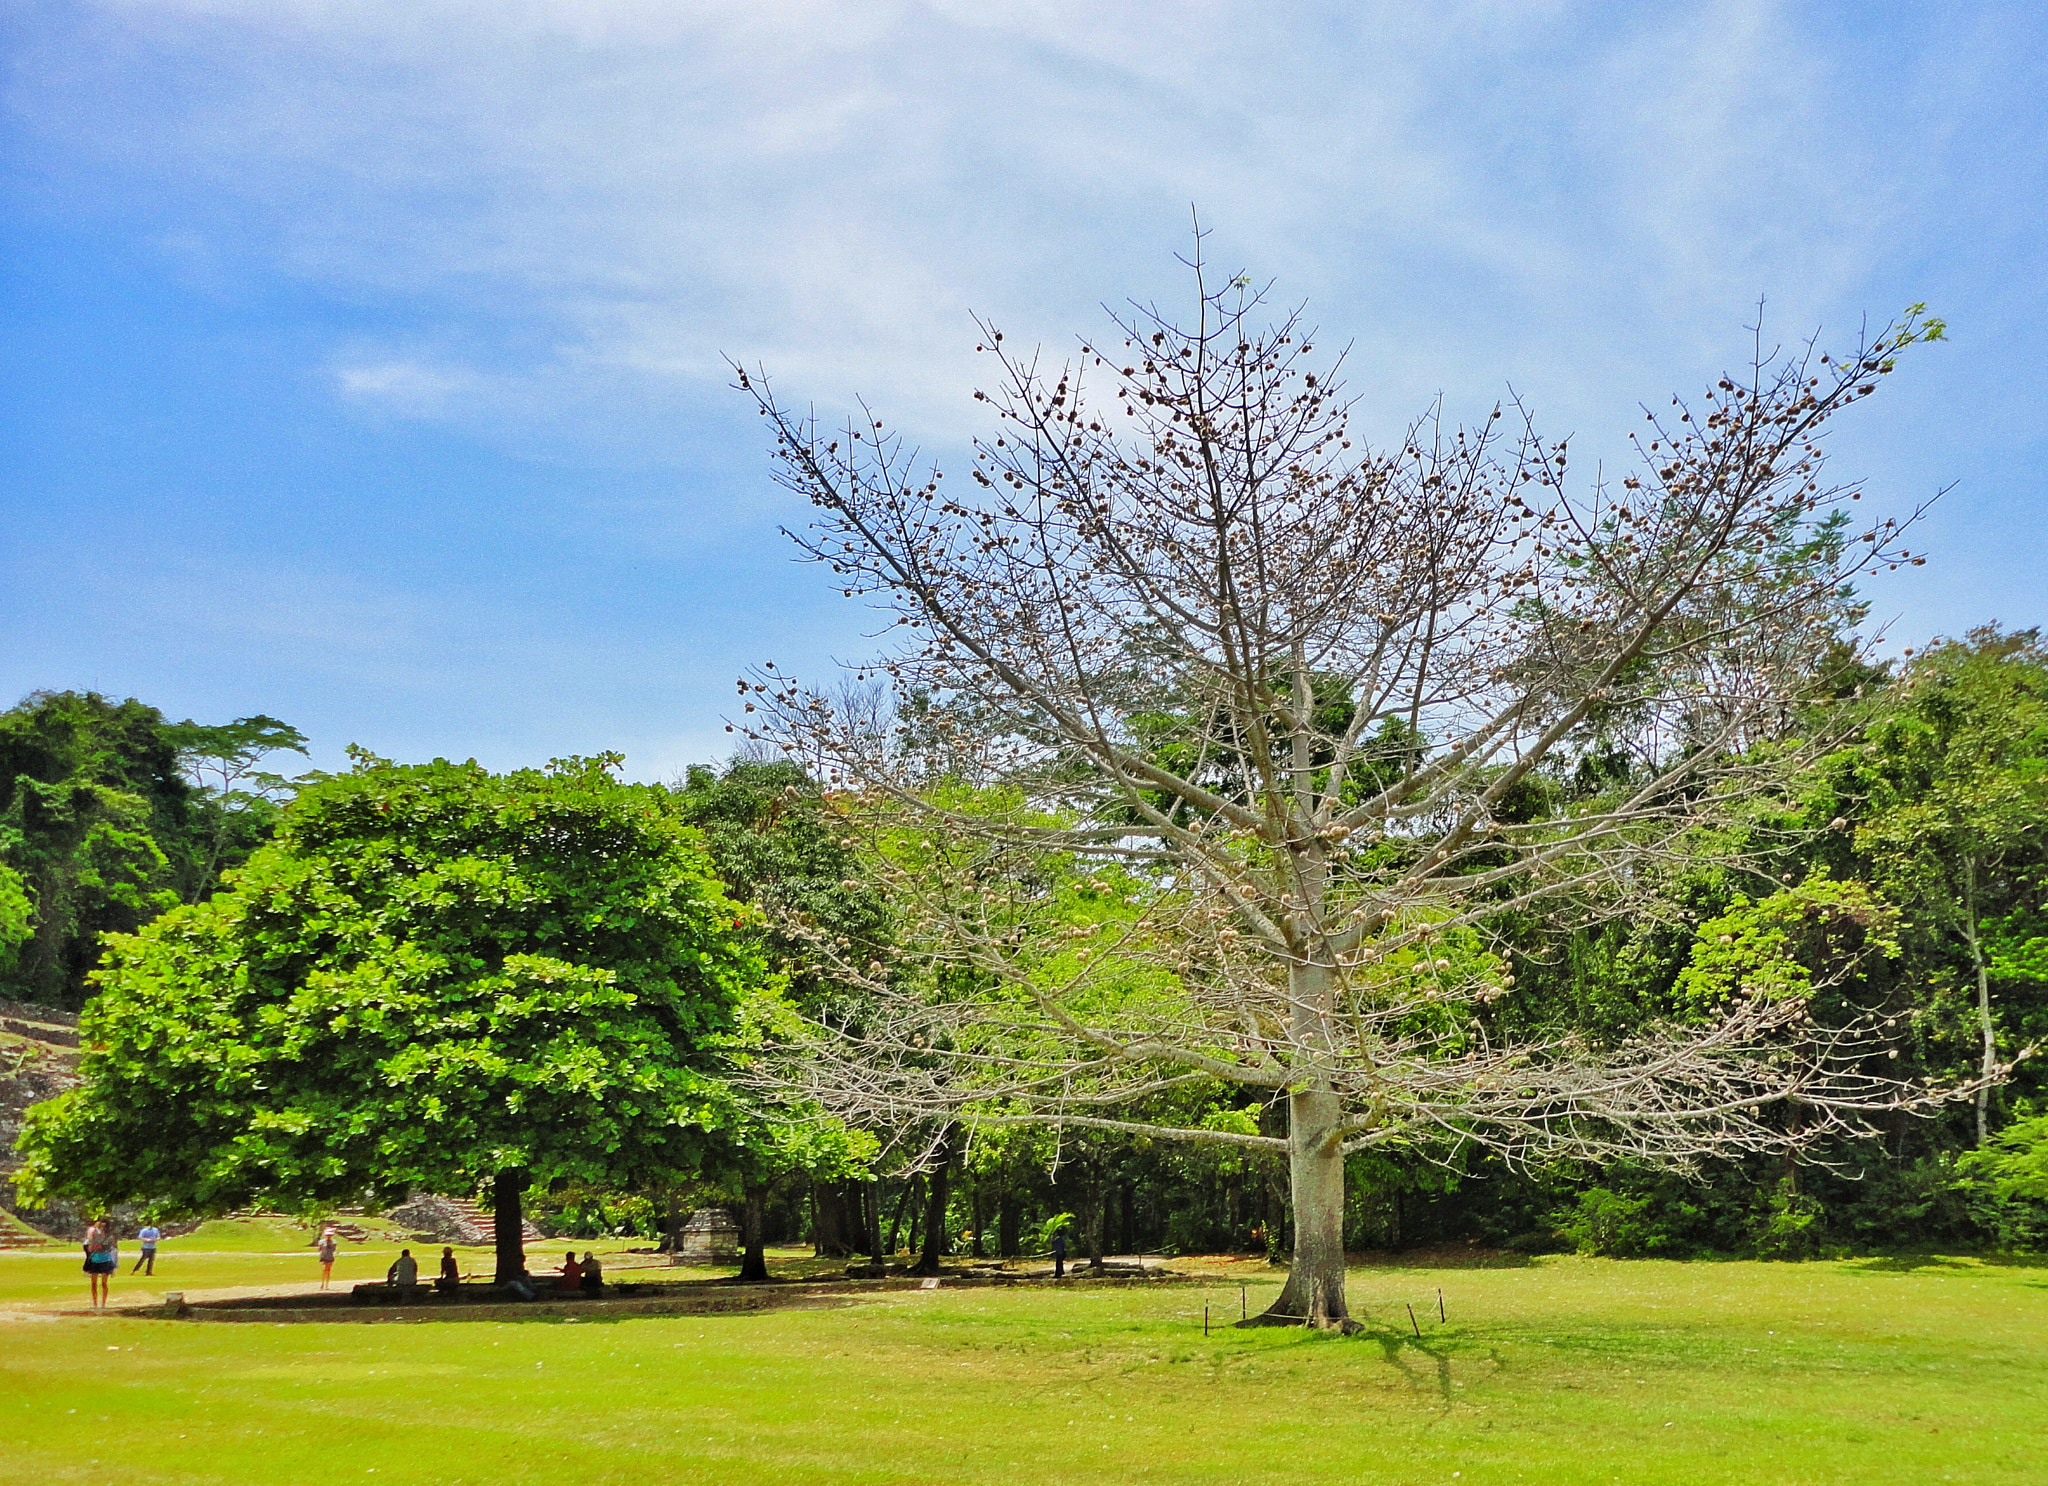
<point x="711" y="1234"/>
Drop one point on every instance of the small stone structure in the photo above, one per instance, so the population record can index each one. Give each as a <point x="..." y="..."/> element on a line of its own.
<point x="434" y="1219"/>
<point x="710" y="1234"/>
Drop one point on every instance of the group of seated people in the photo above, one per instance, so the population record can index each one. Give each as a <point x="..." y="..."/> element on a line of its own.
<point x="404" y="1273"/>
<point x="586" y="1275"/>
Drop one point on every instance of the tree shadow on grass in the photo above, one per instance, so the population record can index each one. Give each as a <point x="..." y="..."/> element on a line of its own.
<point x="1935" y="1263"/>
<point x="1426" y="1360"/>
<point x="606" y="1311"/>
<point x="1443" y="1256"/>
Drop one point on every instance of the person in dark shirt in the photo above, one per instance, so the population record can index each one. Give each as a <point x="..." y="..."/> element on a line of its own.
<point x="593" y="1275"/>
<point x="450" y="1278"/>
<point x="1059" y="1255"/>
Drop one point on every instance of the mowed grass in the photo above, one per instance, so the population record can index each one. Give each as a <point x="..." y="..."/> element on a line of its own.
<point x="1560" y="1371"/>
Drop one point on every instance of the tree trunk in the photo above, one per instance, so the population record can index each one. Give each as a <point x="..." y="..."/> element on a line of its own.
<point x="935" y="1210"/>
<point x="915" y="1197"/>
<point x="1984" y="1024"/>
<point x="1091" y="1223"/>
<point x="869" y="1195"/>
<point x="980" y="1211"/>
<point x="509" y="1219"/>
<point x="1130" y="1233"/>
<point x="1009" y="1224"/>
<point x="896" y="1220"/>
<point x="832" y="1234"/>
<point x="1314" y="1293"/>
<point x="674" y="1229"/>
<point x="753" y="1223"/>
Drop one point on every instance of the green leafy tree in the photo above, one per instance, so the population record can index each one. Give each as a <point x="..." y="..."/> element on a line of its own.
<point x="96" y="818"/>
<point x="781" y="847"/>
<point x="16" y="916"/>
<point x="434" y="976"/>
<point x="240" y="797"/>
<point x="2006" y="1181"/>
<point x="1948" y="795"/>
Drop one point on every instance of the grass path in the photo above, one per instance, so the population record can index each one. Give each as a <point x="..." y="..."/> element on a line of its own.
<point x="1562" y="1371"/>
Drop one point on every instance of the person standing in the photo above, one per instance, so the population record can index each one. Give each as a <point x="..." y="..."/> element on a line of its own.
<point x="1059" y="1255"/>
<point x="102" y="1258"/>
<point x="326" y="1255"/>
<point x="145" y="1262"/>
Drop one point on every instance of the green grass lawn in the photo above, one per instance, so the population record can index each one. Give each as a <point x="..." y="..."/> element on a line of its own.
<point x="1558" y="1371"/>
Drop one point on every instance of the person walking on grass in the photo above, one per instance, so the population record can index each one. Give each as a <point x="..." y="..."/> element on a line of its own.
<point x="145" y="1262"/>
<point x="102" y="1258"/>
<point x="326" y="1252"/>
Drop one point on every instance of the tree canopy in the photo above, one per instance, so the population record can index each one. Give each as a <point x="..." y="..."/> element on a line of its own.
<point x="433" y="974"/>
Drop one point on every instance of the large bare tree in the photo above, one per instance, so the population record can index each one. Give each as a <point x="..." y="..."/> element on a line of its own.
<point x="1287" y="693"/>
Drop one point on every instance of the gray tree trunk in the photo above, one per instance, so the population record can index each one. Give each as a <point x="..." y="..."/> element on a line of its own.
<point x="1984" y="1022"/>
<point x="1314" y="1293"/>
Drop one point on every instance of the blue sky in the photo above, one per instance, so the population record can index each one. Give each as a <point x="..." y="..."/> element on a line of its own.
<point x="362" y="360"/>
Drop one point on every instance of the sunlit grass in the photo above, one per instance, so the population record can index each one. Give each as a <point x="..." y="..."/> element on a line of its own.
<point x="1563" y="1370"/>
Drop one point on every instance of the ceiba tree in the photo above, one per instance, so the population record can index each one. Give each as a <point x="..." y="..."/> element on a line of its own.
<point x="436" y="976"/>
<point x="1297" y="685"/>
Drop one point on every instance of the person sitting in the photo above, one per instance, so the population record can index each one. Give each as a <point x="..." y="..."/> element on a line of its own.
<point x="571" y="1272"/>
<point x="404" y="1273"/>
<point x="593" y="1275"/>
<point x="450" y="1279"/>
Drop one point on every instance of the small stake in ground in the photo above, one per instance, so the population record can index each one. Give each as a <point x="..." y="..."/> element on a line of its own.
<point x="1413" y="1322"/>
<point x="1440" y="1306"/>
<point x="1243" y="1305"/>
<point x="1205" y="1320"/>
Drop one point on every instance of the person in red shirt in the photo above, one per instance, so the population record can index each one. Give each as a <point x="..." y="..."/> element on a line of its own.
<point x="572" y="1272"/>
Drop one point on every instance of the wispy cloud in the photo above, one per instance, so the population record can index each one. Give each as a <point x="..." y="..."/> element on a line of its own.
<point x="536" y="228"/>
<point x="631" y="191"/>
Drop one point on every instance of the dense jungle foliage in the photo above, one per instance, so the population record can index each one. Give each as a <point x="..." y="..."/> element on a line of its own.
<point x="1903" y="875"/>
<point x="110" y="814"/>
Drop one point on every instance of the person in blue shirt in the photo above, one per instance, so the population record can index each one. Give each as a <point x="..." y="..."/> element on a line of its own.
<point x="146" y="1261"/>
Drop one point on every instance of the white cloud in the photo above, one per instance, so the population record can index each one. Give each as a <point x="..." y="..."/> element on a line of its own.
<point x="627" y="191"/>
<point x="406" y="387"/>
<point x="561" y="214"/>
